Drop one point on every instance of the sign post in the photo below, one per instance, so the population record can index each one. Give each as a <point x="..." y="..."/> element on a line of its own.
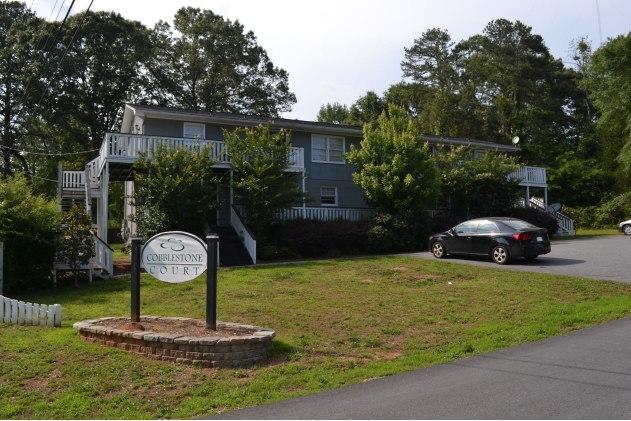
<point x="211" y="281"/>
<point x="135" y="279"/>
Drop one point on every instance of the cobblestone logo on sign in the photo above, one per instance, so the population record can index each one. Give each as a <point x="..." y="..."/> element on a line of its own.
<point x="174" y="256"/>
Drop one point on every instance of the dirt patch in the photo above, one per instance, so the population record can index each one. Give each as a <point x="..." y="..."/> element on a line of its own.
<point x="191" y="327"/>
<point x="122" y="266"/>
<point x="424" y="276"/>
<point x="402" y="268"/>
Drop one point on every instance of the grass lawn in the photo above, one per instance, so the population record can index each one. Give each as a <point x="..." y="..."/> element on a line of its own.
<point x="337" y="322"/>
<point x="118" y="251"/>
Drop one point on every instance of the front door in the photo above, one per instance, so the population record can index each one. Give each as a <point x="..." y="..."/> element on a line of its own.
<point x="461" y="241"/>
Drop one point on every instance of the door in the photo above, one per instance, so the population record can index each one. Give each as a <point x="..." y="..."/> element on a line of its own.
<point x="484" y="237"/>
<point x="461" y="238"/>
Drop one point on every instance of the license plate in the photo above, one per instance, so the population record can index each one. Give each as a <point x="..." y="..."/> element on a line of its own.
<point x="539" y="238"/>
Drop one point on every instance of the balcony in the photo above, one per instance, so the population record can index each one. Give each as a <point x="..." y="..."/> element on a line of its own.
<point x="530" y="176"/>
<point x="126" y="148"/>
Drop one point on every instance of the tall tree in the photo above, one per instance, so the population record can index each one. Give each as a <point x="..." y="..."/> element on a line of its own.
<point x="394" y="165"/>
<point x="260" y="161"/>
<point x="100" y="72"/>
<point x="19" y="83"/>
<point x="609" y="80"/>
<point x="367" y="109"/>
<point x="335" y="113"/>
<point x="210" y="63"/>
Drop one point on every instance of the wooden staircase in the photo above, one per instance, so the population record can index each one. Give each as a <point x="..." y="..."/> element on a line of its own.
<point x="78" y="188"/>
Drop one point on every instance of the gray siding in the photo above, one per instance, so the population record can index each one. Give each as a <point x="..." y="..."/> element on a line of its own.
<point x="318" y="174"/>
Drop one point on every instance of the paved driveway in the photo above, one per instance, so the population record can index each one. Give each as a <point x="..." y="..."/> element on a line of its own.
<point x="607" y="257"/>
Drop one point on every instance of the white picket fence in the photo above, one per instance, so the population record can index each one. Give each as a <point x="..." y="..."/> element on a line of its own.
<point x="19" y="312"/>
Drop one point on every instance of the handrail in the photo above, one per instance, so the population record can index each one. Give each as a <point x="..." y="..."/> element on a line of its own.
<point x="239" y="225"/>
<point x="565" y="222"/>
<point x="104" y="255"/>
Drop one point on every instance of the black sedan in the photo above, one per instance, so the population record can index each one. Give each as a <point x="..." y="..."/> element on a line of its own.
<point x="500" y="238"/>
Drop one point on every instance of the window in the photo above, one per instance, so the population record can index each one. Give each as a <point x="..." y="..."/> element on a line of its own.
<point x="478" y="154"/>
<point x="487" y="226"/>
<point x="328" y="196"/>
<point x="465" y="228"/>
<point x="327" y="149"/>
<point x="192" y="131"/>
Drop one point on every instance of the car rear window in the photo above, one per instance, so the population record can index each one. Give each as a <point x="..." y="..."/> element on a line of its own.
<point x="518" y="224"/>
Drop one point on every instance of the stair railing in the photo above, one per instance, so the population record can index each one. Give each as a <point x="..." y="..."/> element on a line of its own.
<point x="104" y="256"/>
<point x="239" y="225"/>
<point x="565" y="222"/>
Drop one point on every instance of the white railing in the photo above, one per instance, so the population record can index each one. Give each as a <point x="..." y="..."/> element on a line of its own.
<point x="325" y="214"/>
<point x="73" y="180"/>
<point x="19" y="312"/>
<point x="93" y="169"/>
<point x="530" y="176"/>
<point x="119" y="146"/>
<point x="566" y="224"/>
<point x="104" y="256"/>
<point x="243" y="232"/>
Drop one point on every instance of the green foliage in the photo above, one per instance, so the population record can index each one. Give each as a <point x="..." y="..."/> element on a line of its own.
<point x="75" y="243"/>
<point x="28" y="225"/>
<point x="260" y="160"/>
<point x="211" y="64"/>
<point x="404" y="231"/>
<point x="18" y="57"/>
<point x="315" y="238"/>
<point x="576" y="181"/>
<point x="481" y="184"/>
<point x="609" y="82"/>
<point x="537" y="218"/>
<point x="394" y="165"/>
<point x="176" y="190"/>
<point x="367" y="109"/>
<point x="335" y="113"/>
<point x="608" y="214"/>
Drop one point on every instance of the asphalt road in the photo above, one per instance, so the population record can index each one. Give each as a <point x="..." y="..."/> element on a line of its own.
<point x="581" y="375"/>
<point x="606" y="257"/>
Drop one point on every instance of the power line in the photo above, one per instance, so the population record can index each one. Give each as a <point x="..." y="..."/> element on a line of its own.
<point x="54" y="154"/>
<point x="67" y="49"/>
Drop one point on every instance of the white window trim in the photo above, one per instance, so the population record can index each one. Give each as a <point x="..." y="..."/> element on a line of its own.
<point x="203" y="126"/>
<point x="327" y="149"/>
<point x="336" y="197"/>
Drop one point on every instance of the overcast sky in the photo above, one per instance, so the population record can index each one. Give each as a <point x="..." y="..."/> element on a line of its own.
<point x="336" y="51"/>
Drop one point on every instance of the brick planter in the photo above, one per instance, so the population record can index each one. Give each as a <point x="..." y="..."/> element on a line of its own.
<point x="207" y="351"/>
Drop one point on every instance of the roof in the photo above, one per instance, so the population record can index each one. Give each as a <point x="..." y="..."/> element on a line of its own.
<point x="170" y="113"/>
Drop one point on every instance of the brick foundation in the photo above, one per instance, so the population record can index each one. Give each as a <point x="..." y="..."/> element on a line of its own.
<point x="235" y="351"/>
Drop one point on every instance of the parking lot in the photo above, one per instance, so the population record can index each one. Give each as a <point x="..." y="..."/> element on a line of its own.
<point x="607" y="258"/>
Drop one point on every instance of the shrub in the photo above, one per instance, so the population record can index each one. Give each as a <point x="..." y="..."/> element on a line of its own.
<point x="75" y="244"/>
<point x="606" y="215"/>
<point x="442" y="223"/>
<point x="536" y="217"/>
<point x="28" y="224"/>
<point x="315" y="238"/>
<point x="404" y="231"/>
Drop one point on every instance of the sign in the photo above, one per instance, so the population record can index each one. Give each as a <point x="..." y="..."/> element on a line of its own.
<point x="174" y="256"/>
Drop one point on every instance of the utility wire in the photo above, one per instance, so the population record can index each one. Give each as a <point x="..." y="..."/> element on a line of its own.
<point x="67" y="49"/>
<point x="56" y="154"/>
<point x="19" y="114"/>
<point x="41" y="53"/>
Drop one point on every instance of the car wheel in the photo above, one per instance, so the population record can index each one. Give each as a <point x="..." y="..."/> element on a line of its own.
<point x="532" y="257"/>
<point x="438" y="250"/>
<point x="626" y="229"/>
<point x="500" y="255"/>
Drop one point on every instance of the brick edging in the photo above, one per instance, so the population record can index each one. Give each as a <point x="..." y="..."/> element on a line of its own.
<point x="234" y="351"/>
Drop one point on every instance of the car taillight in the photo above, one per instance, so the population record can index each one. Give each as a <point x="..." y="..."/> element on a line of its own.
<point x="522" y="237"/>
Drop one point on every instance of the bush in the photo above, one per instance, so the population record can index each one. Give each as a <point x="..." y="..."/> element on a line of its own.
<point x="536" y="217"/>
<point x="442" y="223"/>
<point x="315" y="238"/>
<point x="606" y="215"/>
<point x="28" y="225"/>
<point x="404" y="231"/>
